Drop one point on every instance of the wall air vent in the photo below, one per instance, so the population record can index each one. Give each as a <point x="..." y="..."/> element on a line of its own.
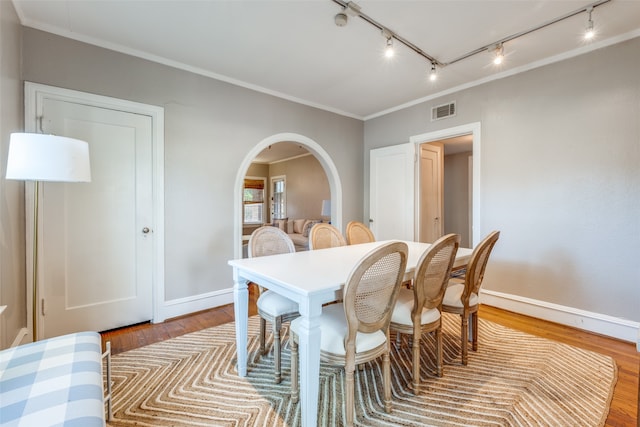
<point x="443" y="111"/>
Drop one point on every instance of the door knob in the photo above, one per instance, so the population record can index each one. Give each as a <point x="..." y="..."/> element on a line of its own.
<point x="145" y="230"/>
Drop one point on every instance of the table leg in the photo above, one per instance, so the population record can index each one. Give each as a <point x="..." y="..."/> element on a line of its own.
<point x="241" y="311"/>
<point x="309" y="345"/>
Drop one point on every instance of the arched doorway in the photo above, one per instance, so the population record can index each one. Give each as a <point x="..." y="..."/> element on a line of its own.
<point x="313" y="147"/>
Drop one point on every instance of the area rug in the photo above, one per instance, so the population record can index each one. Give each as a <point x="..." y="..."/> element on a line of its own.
<point x="514" y="379"/>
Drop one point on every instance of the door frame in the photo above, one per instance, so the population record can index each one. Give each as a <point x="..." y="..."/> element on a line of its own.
<point x="34" y="93"/>
<point x="475" y="130"/>
<point x="271" y="193"/>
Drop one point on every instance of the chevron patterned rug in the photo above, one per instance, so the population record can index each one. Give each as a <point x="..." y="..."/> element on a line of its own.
<point x="514" y="379"/>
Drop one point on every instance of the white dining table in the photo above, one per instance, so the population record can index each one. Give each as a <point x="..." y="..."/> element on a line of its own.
<point x="310" y="278"/>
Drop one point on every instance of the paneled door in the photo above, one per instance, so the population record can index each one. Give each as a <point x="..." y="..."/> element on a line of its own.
<point x="96" y="239"/>
<point x="391" y="192"/>
<point x="431" y="192"/>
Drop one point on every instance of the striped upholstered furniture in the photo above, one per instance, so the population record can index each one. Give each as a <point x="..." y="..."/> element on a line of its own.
<point x="53" y="382"/>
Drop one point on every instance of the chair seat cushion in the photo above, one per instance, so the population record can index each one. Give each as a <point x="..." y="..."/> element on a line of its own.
<point x="276" y="305"/>
<point x="453" y="295"/>
<point x="402" y="311"/>
<point x="333" y="327"/>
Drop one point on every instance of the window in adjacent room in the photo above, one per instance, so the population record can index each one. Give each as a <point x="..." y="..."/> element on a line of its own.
<point x="278" y="197"/>
<point x="253" y="200"/>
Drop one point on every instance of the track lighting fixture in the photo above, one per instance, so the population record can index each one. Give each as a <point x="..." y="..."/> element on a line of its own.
<point x="498" y="51"/>
<point x="433" y="74"/>
<point x="351" y="9"/>
<point x="589" y="32"/>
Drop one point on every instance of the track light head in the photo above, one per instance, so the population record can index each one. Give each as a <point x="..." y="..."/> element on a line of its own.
<point x="433" y="76"/>
<point x="589" y="32"/>
<point x="388" y="50"/>
<point x="341" y="19"/>
<point x="498" y="51"/>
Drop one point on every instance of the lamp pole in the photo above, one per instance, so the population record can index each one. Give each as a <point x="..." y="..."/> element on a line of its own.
<point x="34" y="264"/>
<point x="39" y="157"/>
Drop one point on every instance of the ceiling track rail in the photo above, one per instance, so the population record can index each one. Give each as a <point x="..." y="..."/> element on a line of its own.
<point x="355" y="10"/>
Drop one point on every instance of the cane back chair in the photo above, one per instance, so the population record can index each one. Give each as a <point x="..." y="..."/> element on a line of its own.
<point x="357" y="330"/>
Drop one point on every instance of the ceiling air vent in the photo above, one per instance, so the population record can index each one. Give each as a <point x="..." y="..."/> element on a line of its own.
<point x="443" y="111"/>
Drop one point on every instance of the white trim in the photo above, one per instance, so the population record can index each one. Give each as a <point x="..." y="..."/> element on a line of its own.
<point x="335" y="185"/>
<point x="34" y="93"/>
<point x="475" y="129"/>
<point x="192" y="304"/>
<point x="610" y="326"/>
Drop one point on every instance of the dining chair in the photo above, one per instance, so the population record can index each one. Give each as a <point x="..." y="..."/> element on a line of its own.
<point x="357" y="232"/>
<point x="356" y="331"/>
<point x="417" y="310"/>
<point x="323" y="235"/>
<point x="462" y="298"/>
<point x="272" y="307"/>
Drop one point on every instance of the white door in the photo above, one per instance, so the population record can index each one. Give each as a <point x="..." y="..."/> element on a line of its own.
<point x="96" y="239"/>
<point x="431" y="191"/>
<point x="391" y="192"/>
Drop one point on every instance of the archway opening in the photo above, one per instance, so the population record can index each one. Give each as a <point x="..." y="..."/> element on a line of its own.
<point x="306" y="145"/>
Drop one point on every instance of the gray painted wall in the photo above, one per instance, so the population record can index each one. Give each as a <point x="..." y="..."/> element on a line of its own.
<point x="560" y="177"/>
<point x="210" y="126"/>
<point x="12" y="244"/>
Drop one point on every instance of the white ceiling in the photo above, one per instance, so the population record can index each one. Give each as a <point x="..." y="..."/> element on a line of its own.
<point x="293" y="48"/>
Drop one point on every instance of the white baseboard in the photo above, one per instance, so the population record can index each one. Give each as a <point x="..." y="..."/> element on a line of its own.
<point x="614" y="327"/>
<point x="182" y="306"/>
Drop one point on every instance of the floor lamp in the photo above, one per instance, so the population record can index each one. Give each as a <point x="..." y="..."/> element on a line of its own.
<point x="38" y="157"/>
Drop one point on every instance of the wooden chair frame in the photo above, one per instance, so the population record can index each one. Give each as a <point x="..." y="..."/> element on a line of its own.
<point x="324" y="235"/>
<point x="472" y="282"/>
<point x="265" y="241"/>
<point x="357" y="232"/>
<point x="369" y="296"/>
<point x="429" y="284"/>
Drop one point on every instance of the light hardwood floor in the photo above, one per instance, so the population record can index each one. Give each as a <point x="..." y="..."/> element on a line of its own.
<point x="623" y="411"/>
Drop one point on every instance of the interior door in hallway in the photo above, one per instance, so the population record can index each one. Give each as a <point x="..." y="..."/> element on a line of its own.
<point x="96" y="249"/>
<point x="431" y="192"/>
<point x="391" y="192"/>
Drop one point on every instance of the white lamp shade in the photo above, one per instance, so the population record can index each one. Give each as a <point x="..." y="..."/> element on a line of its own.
<point x="326" y="208"/>
<point x="39" y="157"/>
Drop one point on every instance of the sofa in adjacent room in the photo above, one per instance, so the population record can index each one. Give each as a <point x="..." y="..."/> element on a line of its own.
<point x="298" y="230"/>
